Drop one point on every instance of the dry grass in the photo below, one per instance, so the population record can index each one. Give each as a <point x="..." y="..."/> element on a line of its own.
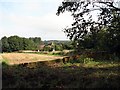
<point x="18" y="58"/>
<point x="92" y="74"/>
<point x="1" y="57"/>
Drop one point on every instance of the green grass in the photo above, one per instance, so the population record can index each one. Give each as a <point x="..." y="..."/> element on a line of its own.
<point x="91" y="74"/>
<point x="49" y="53"/>
<point x="59" y="53"/>
<point x="4" y="60"/>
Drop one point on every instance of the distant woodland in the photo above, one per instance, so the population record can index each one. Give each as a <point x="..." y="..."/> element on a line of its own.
<point x="16" y="43"/>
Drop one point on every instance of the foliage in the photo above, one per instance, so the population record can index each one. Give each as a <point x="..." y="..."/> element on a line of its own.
<point x="87" y="31"/>
<point x="47" y="48"/>
<point x="57" y="75"/>
<point x="29" y="44"/>
<point x="58" y="53"/>
<point x="36" y="40"/>
<point x="58" y="47"/>
<point x="68" y="46"/>
<point x="5" y="44"/>
<point x="16" y="43"/>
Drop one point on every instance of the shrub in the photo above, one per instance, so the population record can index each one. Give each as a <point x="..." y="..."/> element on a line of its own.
<point x="87" y="60"/>
<point x="82" y="59"/>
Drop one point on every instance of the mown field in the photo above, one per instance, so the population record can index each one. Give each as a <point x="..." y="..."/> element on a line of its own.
<point x="19" y="58"/>
<point x="87" y="73"/>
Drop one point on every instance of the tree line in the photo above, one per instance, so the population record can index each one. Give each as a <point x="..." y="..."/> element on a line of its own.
<point x="58" y="45"/>
<point x="16" y="43"/>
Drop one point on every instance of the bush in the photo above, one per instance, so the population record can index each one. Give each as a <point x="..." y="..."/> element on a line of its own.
<point x="46" y="48"/>
<point x="58" y="53"/>
<point x="114" y="57"/>
<point x="87" y="60"/>
<point x="83" y="59"/>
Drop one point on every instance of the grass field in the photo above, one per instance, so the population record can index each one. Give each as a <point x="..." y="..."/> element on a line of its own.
<point x="90" y="74"/>
<point x="19" y="58"/>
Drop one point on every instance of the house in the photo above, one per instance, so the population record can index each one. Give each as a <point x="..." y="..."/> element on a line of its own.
<point x="41" y="47"/>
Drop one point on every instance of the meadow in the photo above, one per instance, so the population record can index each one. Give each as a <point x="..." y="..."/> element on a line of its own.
<point x="82" y="73"/>
<point x="20" y="58"/>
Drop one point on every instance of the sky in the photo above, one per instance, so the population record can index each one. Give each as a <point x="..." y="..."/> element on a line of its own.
<point x="33" y="18"/>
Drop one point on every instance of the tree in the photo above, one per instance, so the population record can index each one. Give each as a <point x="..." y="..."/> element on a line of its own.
<point x="14" y="43"/>
<point x="113" y="35"/>
<point x="47" y="48"/>
<point x="5" y="44"/>
<point x="28" y="44"/>
<point x="84" y="25"/>
<point x="58" y="47"/>
<point x="68" y="45"/>
<point x="37" y="41"/>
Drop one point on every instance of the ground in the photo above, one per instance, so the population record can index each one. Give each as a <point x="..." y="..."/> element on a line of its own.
<point x="89" y="74"/>
<point x="19" y="58"/>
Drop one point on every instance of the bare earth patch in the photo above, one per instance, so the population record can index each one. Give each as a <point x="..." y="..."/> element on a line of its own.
<point x="18" y="58"/>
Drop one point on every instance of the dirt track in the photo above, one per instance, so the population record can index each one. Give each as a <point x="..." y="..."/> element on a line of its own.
<point x="18" y="58"/>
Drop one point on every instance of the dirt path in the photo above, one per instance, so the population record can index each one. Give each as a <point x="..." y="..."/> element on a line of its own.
<point x="18" y="58"/>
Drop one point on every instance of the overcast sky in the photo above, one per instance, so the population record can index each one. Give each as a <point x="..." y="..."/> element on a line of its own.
<point x="33" y="18"/>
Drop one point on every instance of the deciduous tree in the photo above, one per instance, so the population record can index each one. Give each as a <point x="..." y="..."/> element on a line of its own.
<point x="84" y="25"/>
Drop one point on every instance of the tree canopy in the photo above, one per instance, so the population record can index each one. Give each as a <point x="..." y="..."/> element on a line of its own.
<point x="87" y="28"/>
<point x="16" y="43"/>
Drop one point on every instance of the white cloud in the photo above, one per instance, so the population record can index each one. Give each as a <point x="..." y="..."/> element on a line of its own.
<point x="30" y="1"/>
<point x="48" y="27"/>
<point x="50" y="21"/>
<point x="23" y="19"/>
<point x="30" y="7"/>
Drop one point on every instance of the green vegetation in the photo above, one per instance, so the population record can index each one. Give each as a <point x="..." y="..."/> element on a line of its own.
<point x="88" y="74"/>
<point x="58" y="45"/>
<point x="16" y="43"/>
<point x="5" y="61"/>
<point x="93" y="63"/>
<point x="100" y="34"/>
